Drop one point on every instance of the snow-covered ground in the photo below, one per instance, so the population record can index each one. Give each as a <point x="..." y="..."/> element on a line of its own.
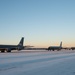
<point x="38" y="63"/>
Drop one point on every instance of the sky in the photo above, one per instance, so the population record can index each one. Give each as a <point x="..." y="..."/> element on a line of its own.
<point x="42" y="23"/>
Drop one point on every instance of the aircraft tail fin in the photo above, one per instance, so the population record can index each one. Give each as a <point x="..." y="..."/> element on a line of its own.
<point x="61" y="44"/>
<point x="21" y="41"/>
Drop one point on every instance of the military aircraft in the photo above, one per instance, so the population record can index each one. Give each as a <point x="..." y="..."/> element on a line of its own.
<point x="8" y="48"/>
<point x="55" y="47"/>
<point x="72" y="48"/>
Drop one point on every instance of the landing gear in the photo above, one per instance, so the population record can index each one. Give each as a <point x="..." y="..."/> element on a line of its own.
<point x="8" y="50"/>
<point x="2" y="51"/>
<point x="53" y="50"/>
<point x="5" y="50"/>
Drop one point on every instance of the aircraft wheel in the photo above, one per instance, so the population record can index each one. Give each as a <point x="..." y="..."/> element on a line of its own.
<point x="2" y="51"/>
<point x="8" y="50"/>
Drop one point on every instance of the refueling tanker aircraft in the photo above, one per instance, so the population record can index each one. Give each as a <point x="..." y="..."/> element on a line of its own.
<point x="55" y="47"/>
<point x="9" y="48"/>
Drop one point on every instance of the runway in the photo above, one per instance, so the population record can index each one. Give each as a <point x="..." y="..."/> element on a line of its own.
<point x="38" y="62"/>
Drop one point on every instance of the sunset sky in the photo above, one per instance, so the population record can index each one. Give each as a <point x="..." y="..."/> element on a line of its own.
<point x="41" y="22"/>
